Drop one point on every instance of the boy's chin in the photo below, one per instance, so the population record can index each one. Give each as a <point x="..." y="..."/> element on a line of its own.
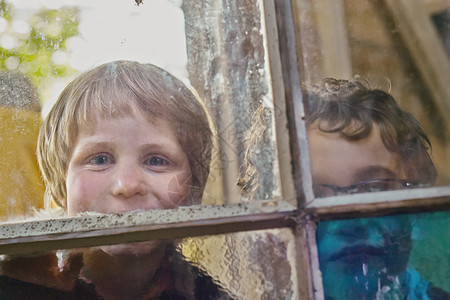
<point x="135" y="249"/>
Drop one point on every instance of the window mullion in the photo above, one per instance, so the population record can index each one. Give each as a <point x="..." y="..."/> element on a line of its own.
<point x="94" y="230"/>
<point x="291" y="61"/>
<point x="372" y="204"/>
<point x="307" y="264"/>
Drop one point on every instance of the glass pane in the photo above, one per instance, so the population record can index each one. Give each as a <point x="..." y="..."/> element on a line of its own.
<point x="391" y="257"/>
<point x="253" y="265"/>
<point x="44" y="45"/>
<point x="361" y="138"/>
<point x="53" y="42"/>
<point x="228" y="62"/>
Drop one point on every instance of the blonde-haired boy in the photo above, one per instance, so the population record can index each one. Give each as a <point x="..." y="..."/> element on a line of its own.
<point x="123" y="137"/>
<point x="115" y="90"/>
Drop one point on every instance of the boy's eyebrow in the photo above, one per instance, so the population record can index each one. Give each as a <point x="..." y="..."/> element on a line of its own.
<point x="157" y="146"/>
<point x="167" y="148"/>
<point x="373" y="172"/>
<point x="92" y="144"/>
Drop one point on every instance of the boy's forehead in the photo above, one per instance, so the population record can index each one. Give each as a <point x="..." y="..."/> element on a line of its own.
<point x="91" y="122"/>
<point x="340" y="161"/>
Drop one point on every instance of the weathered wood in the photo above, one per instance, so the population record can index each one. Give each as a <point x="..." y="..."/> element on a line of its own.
<point x="380" y="203"/>
<point x="290" y="57"/>
<point x="330" y="17"/>
<point x="414" y="25"/>
<point x="436" y="6"/>
<point x="95" y="230"/>
<point x="227" y="66"/>
<point x="316" y="274"/>
<point x="283" y="147"/>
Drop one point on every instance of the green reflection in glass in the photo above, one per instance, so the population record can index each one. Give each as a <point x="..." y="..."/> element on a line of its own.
<point x="32" y="42"/>
<point x="392" y="257"/>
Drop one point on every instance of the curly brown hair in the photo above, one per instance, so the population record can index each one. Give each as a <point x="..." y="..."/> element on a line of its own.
<point x="352" y="107"/>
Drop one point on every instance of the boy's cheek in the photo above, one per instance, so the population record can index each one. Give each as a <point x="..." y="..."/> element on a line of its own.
<point x="78" y="200"/>
<point x="178" y="190"/>
<point x="75" y="207"/>
<point x="85" y="191"/>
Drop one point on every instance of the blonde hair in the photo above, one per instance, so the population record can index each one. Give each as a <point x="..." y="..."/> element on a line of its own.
<point x="116" y="89"/>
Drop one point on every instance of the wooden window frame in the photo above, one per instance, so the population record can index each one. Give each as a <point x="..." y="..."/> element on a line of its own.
<point x="285" y="63"/>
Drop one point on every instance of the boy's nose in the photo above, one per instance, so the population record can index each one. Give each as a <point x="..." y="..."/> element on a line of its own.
<point x="129" y="182"/>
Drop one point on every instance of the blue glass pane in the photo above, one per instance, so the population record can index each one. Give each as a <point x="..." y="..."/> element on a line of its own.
<point x="391" y="257"/>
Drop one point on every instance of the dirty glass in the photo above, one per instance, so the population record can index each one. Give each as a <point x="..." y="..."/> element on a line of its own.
<point x="399" y="47"/>
<point x="250" y="265"/>
<point x="390" y="257"/>
<point x="52" y="42"/>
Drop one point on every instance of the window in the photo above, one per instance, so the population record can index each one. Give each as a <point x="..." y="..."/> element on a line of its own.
<point x="379" y="42"/>
<point x="241" y="56"/>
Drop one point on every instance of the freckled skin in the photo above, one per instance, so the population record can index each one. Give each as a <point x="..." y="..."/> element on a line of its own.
<point x="127" y="164"/>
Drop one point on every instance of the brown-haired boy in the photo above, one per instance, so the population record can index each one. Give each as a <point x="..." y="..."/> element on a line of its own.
<point x="360" y="140"/>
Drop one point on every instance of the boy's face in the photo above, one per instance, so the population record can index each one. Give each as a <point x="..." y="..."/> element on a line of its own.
<point x="127" y="164"/>
<point x="341" y="162"/>
<point x="356" y="255"/>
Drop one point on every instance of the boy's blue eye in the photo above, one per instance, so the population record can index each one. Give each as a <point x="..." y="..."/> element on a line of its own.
<point x="100" y="160"/>
<point x="157" y="161"/>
